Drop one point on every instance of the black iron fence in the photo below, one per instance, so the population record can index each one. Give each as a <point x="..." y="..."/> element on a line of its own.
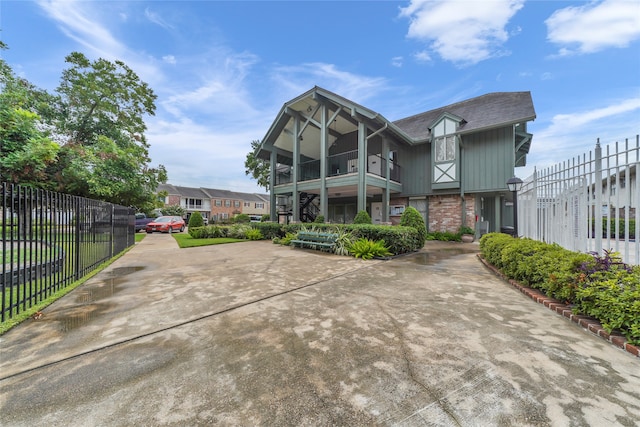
<point x="49" y="240"/>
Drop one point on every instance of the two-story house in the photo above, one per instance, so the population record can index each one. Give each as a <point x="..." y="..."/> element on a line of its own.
<point x="333" y="157"/>
<point x="215" y="204"/>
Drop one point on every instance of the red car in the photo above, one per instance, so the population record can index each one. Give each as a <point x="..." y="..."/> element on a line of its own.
<point x="166" y="224"/>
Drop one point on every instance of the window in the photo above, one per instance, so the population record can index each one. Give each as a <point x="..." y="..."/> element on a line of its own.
<point x="227" y="203"/>
<point x="247" y="204"/>
<point x="445" y="148"/>
<point x="396" y="210"/>
<point x="218" y="202"/>
<point x="259" y="205"/>
<point x="236" y="204"/>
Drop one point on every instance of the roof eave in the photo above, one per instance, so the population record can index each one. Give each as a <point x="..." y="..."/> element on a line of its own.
<point x="493" y="126"/>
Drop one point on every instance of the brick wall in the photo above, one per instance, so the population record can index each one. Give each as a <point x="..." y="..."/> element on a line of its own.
<point x="445" y="212"/>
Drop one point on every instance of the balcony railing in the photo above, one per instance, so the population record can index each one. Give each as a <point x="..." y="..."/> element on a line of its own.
<point x="340" y="164"/>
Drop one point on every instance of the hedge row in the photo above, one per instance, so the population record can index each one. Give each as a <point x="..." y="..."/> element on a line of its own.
<point x="398" y="239"/>
<point x="609" y="227"/>
<point x="599" y="286"/>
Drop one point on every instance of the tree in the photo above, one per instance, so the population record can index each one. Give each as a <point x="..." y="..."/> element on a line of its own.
<point x="100" y="118"/>
<point x="25" y="148"/>
<point x="258" y="168"/>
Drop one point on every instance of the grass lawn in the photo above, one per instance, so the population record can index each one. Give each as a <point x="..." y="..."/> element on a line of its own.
<point x="186" y="241"/>
<point x="140" y="236"/>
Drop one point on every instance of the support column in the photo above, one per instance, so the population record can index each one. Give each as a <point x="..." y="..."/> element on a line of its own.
<point x="294" y="171"/>
<point x="362" y="166"/>
<point x="273" y="211"/>
<point x="387" y="176"/>
<point x="324" y="152"/>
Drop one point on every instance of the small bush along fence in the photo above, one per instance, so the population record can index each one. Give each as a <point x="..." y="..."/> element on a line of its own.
<point x="602" y="287"/>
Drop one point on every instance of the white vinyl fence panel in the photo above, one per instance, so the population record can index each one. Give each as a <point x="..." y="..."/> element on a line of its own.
<point x="586" y="204"/>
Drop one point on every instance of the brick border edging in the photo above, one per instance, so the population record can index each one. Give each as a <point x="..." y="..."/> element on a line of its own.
<point x="586" y="322"/>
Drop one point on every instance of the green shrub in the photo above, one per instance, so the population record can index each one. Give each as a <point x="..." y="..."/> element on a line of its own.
<point x="367" y="249"/>
<point x="614" y="299"/>
<point x="344" y="240"/>
<point x="362" y="217"/>
<point x="195" y="220"/>
<point x="319" y="219"/>
<point x="269" y="230"/>
<point x="198" y="232"/>
<point x="285" y="240"/>
<point x="443" y="236"/>
<point x="491" y="245"/>
<point x="173" y="210"/>
<point x="207" y="232"/>
<point x="254" y="234"/>
<point x="238" y="231"/>
<point x="399" y="239"/>
<point x="242" y="219"/>
<point x="412" y="218"/>
<point x="265" y="218"/>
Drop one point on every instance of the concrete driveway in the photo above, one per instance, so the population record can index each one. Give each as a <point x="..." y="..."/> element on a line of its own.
<point x="258" y="334"/>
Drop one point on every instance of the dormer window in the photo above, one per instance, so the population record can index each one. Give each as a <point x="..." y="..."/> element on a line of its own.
<point x="445" y="153"/>
<point x="445" y="148"/>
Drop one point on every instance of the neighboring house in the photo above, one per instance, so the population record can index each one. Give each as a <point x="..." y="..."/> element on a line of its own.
<point x="333" y="157"/>
<point x="214" y="204"/>
<point x="619" y="191"/>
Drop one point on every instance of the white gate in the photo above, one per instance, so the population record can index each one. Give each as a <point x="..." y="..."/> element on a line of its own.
<point x="586" y="204"/>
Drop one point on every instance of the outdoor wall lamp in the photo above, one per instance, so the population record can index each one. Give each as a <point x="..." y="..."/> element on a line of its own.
<point x="514" y="185"/>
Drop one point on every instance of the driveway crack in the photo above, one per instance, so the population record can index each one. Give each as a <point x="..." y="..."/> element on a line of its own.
<point x="405" y="352"/>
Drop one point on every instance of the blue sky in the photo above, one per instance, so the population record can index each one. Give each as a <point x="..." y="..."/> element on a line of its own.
<point x="223" y="69"/>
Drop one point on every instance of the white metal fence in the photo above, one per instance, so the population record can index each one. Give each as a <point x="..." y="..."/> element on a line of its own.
<point x="588" y="203"/>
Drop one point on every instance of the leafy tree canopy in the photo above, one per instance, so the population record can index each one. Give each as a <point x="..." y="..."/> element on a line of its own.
<point x="259" y="169"/>
<point x="25" y="147"/>
<point x="88" y="139"/>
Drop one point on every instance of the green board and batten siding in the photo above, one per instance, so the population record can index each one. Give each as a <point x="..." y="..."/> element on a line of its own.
<point x="416" y="169"/>
<point x="487" y="160"/>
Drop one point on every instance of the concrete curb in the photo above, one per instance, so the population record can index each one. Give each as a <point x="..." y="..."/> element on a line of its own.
<point x="589" y="323"/>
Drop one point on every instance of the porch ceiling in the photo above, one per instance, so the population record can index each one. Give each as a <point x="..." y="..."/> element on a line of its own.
<point x="309" y="112"/>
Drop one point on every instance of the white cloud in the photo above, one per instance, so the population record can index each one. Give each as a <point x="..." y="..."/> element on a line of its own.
<point x="203" y="155"/>
<point x="157" y="19"/>
<point x="396" y="61"/>
<point x="88" y="26"/>
<point x="463" y="32"/>
<point x="169" y="59"/>
<point x="567" y="136"/>
<point x="218" y="90"/>
<point x="75" y="21"/>
<point x="422" y="56"/>
<point x="300" y="78"/>
<point x="567" y="123"/>
<point x="594" y="26"/>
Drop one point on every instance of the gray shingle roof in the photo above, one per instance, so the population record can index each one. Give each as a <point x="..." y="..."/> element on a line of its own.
<point x="211" y="193"/>
<point x="483" y="112"/>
